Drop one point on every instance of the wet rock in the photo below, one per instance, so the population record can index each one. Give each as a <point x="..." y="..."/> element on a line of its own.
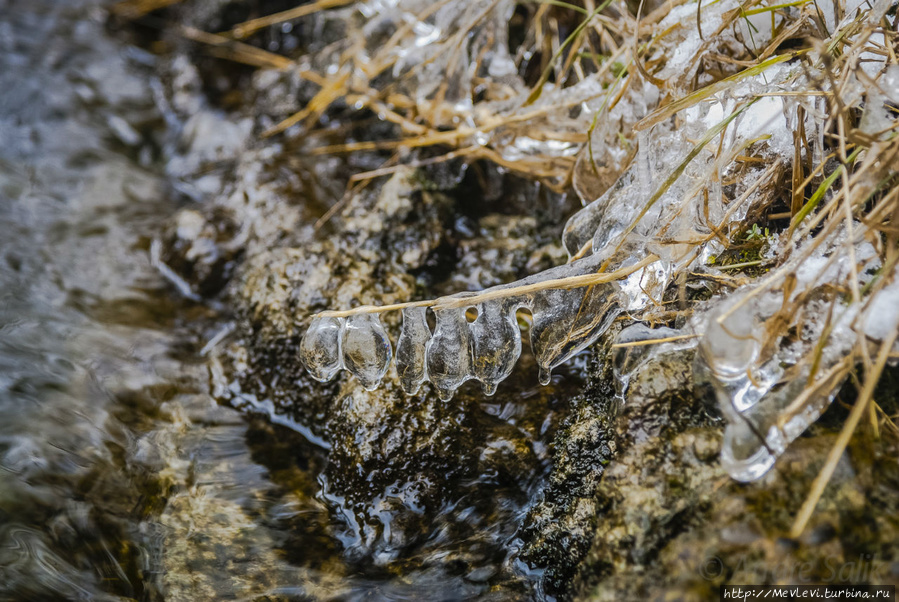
<point x="558" y="529"/>
<point x="383" y="234"/>
<point x="410" y="479"/>
<point x="498" y="248"/>
<point x="670" y="524"/>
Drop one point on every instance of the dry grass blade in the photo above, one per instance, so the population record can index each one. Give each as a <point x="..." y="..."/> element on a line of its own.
<point x="670" y="109"/>
<point x="469" y="299"/>
<point x="836" y="452"/>
<point x="237" y="51"/>
<point x="134" y="9"/>
<point x="333" y="88"/>
<point x="681" y="337"/>
<point x="247" y="28"/>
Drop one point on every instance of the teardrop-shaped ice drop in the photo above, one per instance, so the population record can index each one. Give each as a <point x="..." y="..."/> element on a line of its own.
<point x="411" y="348"/>
<point x="366" y="349"/>
<point x="449" y="352"/>
<point x="496" y="344"/>
<point x="544" y="375"/>
<point x="320" y="348"/>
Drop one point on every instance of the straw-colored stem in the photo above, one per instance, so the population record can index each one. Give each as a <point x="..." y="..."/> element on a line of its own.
<point x="468" y="299"/>
<point x="680" y="337"/>
<point x="836" y="452"/>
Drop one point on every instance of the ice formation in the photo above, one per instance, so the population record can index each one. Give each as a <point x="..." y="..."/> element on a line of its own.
<point x="700" y="167"/>
<point x="564" y="321"/>
<point x="366" y="349"/>
<point x="495" y="344"/>
<point x="320" y="348"/>
<point x="773" y="381"/>
<point x="412" y="348"/>
<point x="617" y="234"/>
<point x="449" y="352"/>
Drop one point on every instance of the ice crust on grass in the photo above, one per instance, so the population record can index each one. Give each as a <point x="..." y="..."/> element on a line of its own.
<point x="774" y="349"/>
<point x="567" y="320"/>
<point x="776" y="355"/>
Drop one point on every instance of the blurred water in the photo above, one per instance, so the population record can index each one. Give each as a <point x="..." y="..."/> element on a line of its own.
<point x="108" y="437"/>
<point x="120" y="477"/>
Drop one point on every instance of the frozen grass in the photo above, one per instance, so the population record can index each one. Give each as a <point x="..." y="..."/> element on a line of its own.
<point x="682" y="131"/>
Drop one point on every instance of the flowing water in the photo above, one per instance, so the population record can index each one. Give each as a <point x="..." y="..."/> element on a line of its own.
<point x="120" y="477"/>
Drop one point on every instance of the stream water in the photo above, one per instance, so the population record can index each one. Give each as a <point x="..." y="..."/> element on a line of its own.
<point x="120" y="477"/>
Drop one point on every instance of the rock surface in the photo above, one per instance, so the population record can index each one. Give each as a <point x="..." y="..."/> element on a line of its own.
<point x="593" y="488"/>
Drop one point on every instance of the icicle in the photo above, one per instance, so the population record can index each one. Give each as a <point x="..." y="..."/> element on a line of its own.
<point x="544" y="375"/>
<point x="496" y="344"/>
<point x="767" y="386"/>
<point x="411" y="349"/>
<point x="320" y="348"/>
<point x="566" y="321"/>
<point x="730" y="350"/>
<point x="449" y="352"/>
<point x="366" y="349"/>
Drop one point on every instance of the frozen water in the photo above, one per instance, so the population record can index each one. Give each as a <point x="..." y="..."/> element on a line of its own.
<point x="566" y="321"/>
<point x="449" y="352"/>
<point x="366" y="349"/>
<point x="771" y="386"/>
<point x="731" y="347"/>
<point x="320" y="348"/>
<point x="625" y="360"/>
<point x="496" y="344"/>
<point x="411" y="349"/>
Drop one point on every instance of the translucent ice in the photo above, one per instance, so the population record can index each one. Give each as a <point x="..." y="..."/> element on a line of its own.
<point x="449" y="352"/>
<point x="366" y="349"/>
<point x="411" y="349"/>
<point x="754" y="438"/>
<point x="320" y="348"/>
<point x="496" y="344"/>
<point x="729" y="358"/>
<point x="730" y="348"/>
<point x="567" y="320"/>
<point x="628" y="357"/>
<point x="776" y="357"/>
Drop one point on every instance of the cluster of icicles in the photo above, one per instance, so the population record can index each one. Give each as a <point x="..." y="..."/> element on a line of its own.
<point x="564" y="322"/>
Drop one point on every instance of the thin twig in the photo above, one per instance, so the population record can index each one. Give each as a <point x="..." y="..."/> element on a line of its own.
<point x="242" y="30"/>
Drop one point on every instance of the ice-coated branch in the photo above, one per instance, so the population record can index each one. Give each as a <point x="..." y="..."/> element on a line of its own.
<point x="500" y="292"/>
<point x="571" y="306"/>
